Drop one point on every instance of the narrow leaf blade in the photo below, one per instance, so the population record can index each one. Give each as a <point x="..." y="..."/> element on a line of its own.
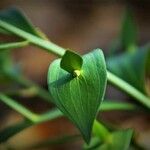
<point x="128" y="35"/>
<point x="15" y="17"/>
<point x="132" y="67"/>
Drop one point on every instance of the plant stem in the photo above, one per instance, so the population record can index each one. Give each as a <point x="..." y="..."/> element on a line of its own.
<point x="47" y="45"/>
<point x="59" y="51"/>
<point x="105" y="106"/>
<point x="53" y="114"/>
<point x="46" y="96"/>
<point x="109" y="105"/>
<point x="128" y="89"/>
<point x="18" y="107"/>
<point x="12" y="45"/>
<point x="29" y="84"/>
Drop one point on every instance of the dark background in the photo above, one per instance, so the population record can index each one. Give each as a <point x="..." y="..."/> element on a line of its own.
<point x="80" y="25"/>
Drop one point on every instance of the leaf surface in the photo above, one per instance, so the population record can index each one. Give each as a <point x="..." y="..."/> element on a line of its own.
<point x="133" y="67"/>
<point x="71" y="62"/>
<point x="16" y="18"/>
<point x="5" y="66"/>
<point x="79" y="97"/>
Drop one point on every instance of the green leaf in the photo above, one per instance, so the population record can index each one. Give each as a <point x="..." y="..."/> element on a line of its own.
<point x="79" y="97"/>
<point x="11" y="130"/>
<point x="5" y="64"/>
<point x="94" y="144"/>
<point x="71" y="62"/>
<point x="133" y="68"/>
<point x="16" y="18"/>
<point x="3" y="31"/>
<point x="14" y="21"/>
<point x="118" y="140"/>
<point x="128" y="35"/>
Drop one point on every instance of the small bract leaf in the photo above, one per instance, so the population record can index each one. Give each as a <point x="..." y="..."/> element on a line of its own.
<point x="118" y="140"/>
<point x="71" y="62"/>
<point x="15" y="17"/>
<point x="79" y="97"/>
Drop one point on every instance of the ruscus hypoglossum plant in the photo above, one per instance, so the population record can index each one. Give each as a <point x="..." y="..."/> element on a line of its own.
<point x="76" y="83"/>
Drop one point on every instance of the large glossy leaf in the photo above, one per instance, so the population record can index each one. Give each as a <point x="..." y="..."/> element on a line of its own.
<point x="133" y="67"/>
<point x="16" y="18"/>
<point x="79" y="97"/>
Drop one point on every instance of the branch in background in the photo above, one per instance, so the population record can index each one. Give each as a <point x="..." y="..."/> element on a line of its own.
<point x="53" y="114"/>
<point x="13" y="45"/>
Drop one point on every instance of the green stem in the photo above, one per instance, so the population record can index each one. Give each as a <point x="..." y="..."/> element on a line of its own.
<point x="13" y="45"/>
<point x="27" y="113"/>
<point x="18" y="107"/>
<point x="52" y="114"/>
<point x="128" y="89"/>
<point x="29" y="84"/>
<point x="47" y="45"/>
<point x="105" y="106"/>
<point x="110" y="105"/>
<point x="46" y="96"/>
